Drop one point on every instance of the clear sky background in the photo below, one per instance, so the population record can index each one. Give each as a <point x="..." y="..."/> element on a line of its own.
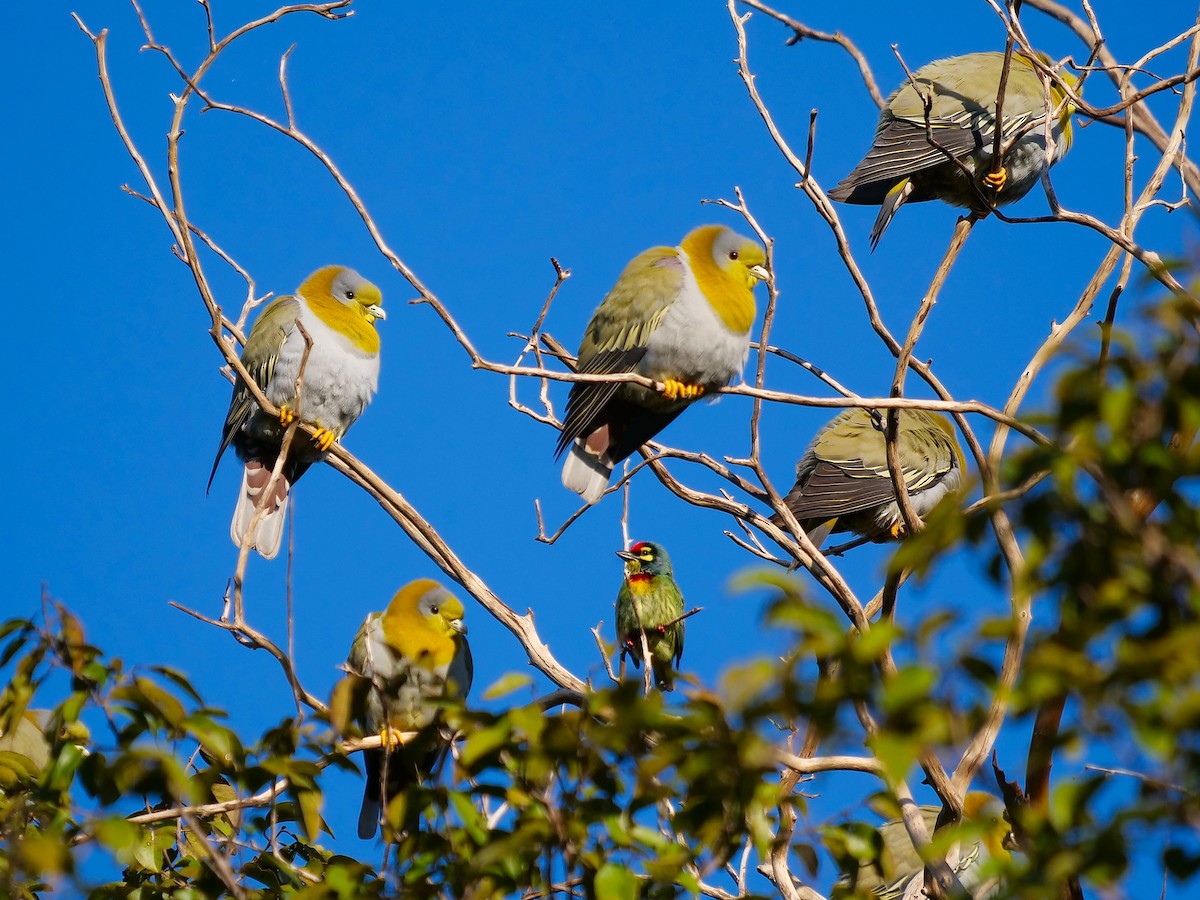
<point x="484" y="138"/>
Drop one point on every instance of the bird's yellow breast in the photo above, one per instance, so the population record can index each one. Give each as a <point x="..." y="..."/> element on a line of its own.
<point x="731" y="297"/>
<point x="640" y="584"/>
<point x="409" y="633"/>
<point x="344" y="318"/>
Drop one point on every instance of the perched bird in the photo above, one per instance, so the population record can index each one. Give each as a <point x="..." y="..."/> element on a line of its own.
<point x="680" y="315"/>
<point x="412" y="654"/>
<point x="338" y="309"/>
<point x="910" y="163"/>
<point x="843" y="482"/>
<point x="650" y="601"/>
<point x="895" y="870"/>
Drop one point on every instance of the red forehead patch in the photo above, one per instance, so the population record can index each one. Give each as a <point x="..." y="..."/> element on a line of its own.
<point x="638" y="547"/>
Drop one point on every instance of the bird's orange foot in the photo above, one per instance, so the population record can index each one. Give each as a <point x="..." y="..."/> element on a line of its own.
<point x="898" y="530"/>
<point x="286" y="416"/>
<point x="324" y="439"/>
<point x="392" y="737"/>
<point x="678" y="390"/>
<point x="996" y="180"/>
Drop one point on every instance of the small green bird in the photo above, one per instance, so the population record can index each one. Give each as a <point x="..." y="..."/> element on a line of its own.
<point x="909" y="162"/>
<point x="680" y="315"/>
<point x="338" y="308"/>
<point x="412" y="654"/>
<point x="895" y="870"/>
<point x="650" y="601"/>
<point x="843" y="482"/>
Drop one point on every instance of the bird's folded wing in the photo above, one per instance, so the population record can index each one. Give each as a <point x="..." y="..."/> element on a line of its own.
<point x="619" y="333"/>
<point x="259" y="356"/>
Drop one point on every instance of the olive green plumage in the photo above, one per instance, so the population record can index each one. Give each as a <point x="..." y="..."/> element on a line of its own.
<point x="649" y="594"/>
<point x="327" y="330"/>
<point x="893" y="869"/>
<point x="409" y="657"/>
<point x="912" y="161"/>
<point x="679" y="315"/>
<point x="843" y="482"/>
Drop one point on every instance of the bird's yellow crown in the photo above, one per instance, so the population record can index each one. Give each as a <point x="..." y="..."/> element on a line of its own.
<point x="421" y="623"/>
<point x="723" y="263"/>
<point x="353" y="315"/>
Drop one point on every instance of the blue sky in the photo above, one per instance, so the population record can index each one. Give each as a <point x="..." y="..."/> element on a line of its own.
<point x="484" y="140"/>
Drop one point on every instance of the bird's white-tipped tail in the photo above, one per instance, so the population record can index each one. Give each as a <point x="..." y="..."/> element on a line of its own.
<point x="585" y="473"/>
<point x="268" y="535"/>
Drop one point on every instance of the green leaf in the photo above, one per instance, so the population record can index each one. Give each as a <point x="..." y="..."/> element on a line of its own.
<point x="615" y="882"/>
<point x="506" y="685"/>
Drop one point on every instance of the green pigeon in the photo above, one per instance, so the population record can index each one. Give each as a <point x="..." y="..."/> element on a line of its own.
<point x="843" y="482"/>
<point x="649" y="594"/>
<point x="895" y="871"/>
<point x="412" y="655"/>
<point x="680" y="315"/>
<point x="946" y="153"/>
<point x="338" y="309"/>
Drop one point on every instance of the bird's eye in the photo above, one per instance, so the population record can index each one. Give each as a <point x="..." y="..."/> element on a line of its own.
<point x="349" y="295"/>
<point x="733" y="254"/>
<point x="434" y="610"/>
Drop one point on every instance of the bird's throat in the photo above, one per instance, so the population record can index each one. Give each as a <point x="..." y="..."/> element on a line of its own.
<point x="732" y="298"/>
<point x="346" y="320"/>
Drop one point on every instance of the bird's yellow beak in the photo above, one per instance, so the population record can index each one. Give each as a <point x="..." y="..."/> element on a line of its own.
<point x="457" y="625"/>
<point x="759" y="272"/>
<point x="376" y="311"/>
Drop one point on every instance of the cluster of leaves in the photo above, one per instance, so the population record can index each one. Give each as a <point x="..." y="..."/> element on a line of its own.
<point x="1113" y="546"/>
<point x="140" y="793"/>
<point x="626" y="796"/>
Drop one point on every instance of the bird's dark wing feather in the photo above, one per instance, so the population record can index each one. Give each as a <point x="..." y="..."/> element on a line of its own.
<point x="586" y="402"/>
<point x="839" y="490"/>
<point x="901" y="148"/>
<point x="259" y="356"/>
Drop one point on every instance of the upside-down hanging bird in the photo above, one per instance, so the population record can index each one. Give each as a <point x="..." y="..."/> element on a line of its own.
<point x="338" y="308"/>
<point x="910" y="162"/>
<point x="843" y="482"/>
<point x="649" y="600"/>
<point x="680" y="315"/>
<point x="412" y="654"/>
<point x="895" y="870"/>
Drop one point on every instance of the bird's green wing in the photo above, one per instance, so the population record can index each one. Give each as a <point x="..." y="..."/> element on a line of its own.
<point x="678" y="630"/>
<point x="259" y="356"/>
<point x="851" y="471"/>
<point x="359" y="661"/>
<point x="962" y="121"/>
<point x="619" y="333"/>
<point x="902" y="148"/>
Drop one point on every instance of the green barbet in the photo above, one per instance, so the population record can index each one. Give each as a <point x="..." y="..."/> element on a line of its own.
<point x="649" y="595"/>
